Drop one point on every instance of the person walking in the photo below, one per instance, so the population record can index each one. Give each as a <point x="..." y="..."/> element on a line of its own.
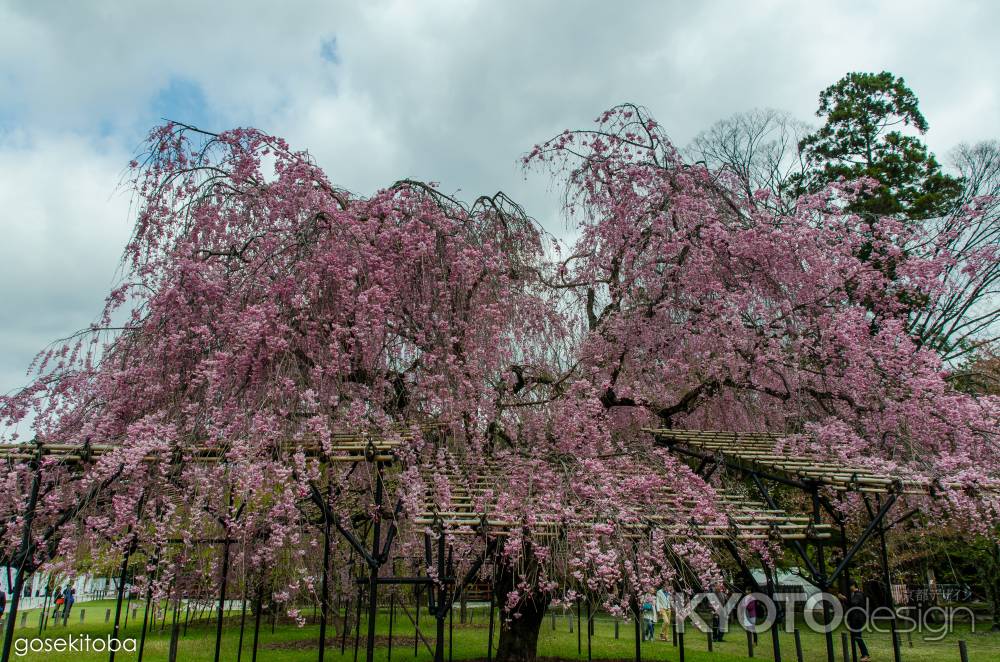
<point x="857" y="619"/>
<point x="3" y="604"/>
<point x="664" y="609"/>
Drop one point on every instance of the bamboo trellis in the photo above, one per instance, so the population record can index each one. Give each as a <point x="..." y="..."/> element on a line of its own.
<point x="343" y="447"/>
<point x="760" y="452"/>
<point x="742" y="518"/>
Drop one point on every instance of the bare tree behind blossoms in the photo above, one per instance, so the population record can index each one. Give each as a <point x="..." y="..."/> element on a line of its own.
<point x="266" y="309"/>
<point x="757" y="157"/>
<point x="706" y="309"/>
<point x="758" y="150"/>
<point x="962" y="318"/>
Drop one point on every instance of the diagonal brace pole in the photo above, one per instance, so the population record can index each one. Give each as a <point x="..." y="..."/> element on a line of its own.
<point x="872" y="528"/>
<point x="813" y="570"/>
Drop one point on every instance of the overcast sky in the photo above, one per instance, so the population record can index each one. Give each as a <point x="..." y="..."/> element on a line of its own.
<point x="452" y="92"/>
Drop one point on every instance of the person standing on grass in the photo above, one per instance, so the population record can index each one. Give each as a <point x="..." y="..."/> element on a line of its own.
<point x="58" y="599"/>
<point x="857" y="618"/>
<point x="648" y="618"/>
<point x="3" y="604"/>
<point x="664" y="608"/>
<point x="749" y="614"/>
<point x="69" y="597"/>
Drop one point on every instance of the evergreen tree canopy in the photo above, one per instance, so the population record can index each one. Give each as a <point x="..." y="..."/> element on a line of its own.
<point x="863" y="136"/>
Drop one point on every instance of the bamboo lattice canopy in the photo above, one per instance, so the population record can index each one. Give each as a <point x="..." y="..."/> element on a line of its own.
<point x="759" y="452"/>
<point x="470" y="511"/>
<point x="344" y="447"/>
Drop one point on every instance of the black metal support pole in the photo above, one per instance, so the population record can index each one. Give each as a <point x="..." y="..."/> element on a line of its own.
<point x="256" y="618"/>
<point x="128" y="601"/>
<point x="489" y="649"/>
<point x="347" y="612"/>
<point x="824" y="583"/>
<point x="392" y="616"/>
<point x="43" y="615"/>
<point x="638" y="635"/>
<point x="145" y="613"/>
<point x="451" y="601"/>
<point x="325" y="591"/>
<point x="886" y="577"/>
<point x="439" y="611"/>
<point x="798" y="646"/>
<point x="416" y="622"/>
<point x="845" y="578"/>
<point x="873" y="527"/>
<point x="357" y="624"/>
<point x="374" y="567"/>
<point x="343" y="624"/>
<point x="222" y="596"/>
<point x="243" y="620"/>
<point x="775" y="630"/>
<point x="24" y="552"/>
<point x="590" y="623"/>
<point x="579" y="634"/>
<point x="118" y="606"/>
<point x="175" y="631"/>
<point x="795" y="543"/>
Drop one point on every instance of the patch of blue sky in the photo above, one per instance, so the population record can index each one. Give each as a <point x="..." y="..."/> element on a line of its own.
<point x="182" y="100"/>
<point x="328" y="50"/>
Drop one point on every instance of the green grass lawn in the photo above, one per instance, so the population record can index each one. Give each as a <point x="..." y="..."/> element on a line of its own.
<point x="290" y="643"/>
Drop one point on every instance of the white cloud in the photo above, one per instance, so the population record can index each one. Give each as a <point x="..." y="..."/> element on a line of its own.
<point x="450" y="91"/>
<point x="64" y="227"/>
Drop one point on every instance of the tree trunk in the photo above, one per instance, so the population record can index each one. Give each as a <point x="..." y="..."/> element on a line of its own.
<point x="519" y="636"/>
